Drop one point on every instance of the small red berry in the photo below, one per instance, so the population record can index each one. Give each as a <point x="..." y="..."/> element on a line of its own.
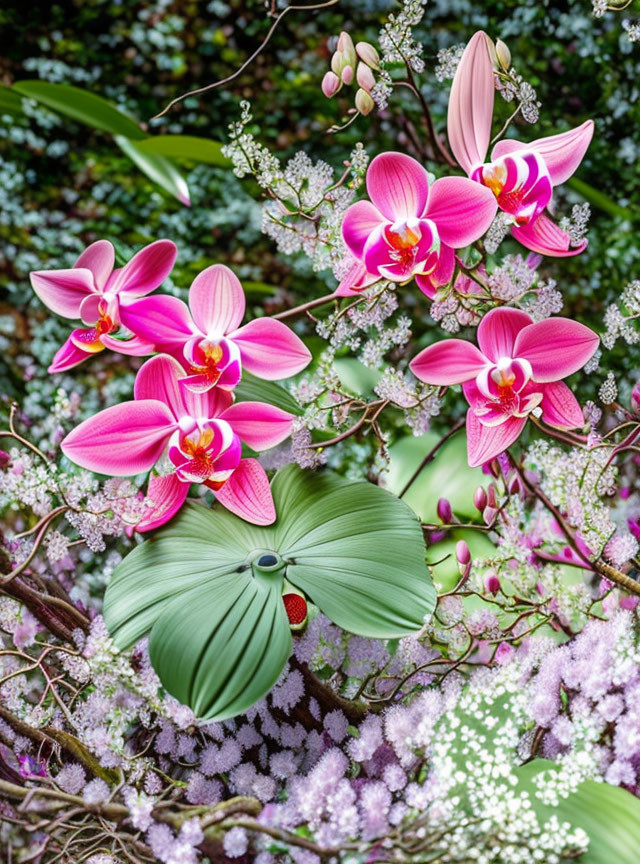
<point x="296" y="609"/>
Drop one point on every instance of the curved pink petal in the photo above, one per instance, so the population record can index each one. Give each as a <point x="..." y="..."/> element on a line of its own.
<point x="498" y="330"/>
<point x="99" y="258"/>
<point x="359" y="221"/>
<point x="68" y="356"/>
<point x="247" y="494"/>
<point x="147" y="269"/>
<point x="451" y="361"/>
<point x="562" y="153"/>
<point x="441" y="275"/>
<point x="544" y="236"/>
<point x="216" y="300"/>
<point x="92" y="307"/>
<point x="259" y="425"/>
<point x="210" y="403"/>
<point x="122" y="440"/>
<point x="556" y="347"/>
<point x="461" y="209"/>
<point x="398" y="186"/>
<point x="133" y="347"/>
<point x="560" y="407"/>
<point x="63" y="291"/>
<point x="158" y="379"/>
<point x="471" y="104"/>
<point x="270" y="349"/>
<point x="162" y="321"/>
<point x="484" y="443"/>
<point x="356" y="280"/>
<point x="167" y="495"/>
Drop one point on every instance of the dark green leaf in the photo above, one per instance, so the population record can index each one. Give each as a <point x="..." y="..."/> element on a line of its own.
<point x="252" y="389"/>
<point x="10" y="102"/>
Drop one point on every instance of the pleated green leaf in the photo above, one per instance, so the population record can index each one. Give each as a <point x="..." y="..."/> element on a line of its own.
<point x="219" y="636"/>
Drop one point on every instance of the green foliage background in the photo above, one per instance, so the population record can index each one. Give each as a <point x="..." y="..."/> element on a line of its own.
<point x="63" y="185"/>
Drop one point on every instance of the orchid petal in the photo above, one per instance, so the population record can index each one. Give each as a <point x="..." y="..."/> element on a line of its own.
<point x="133" y="347"/>
<point x="555" y="348"/>
<point x="356" y="280"/>
<point x="270" y="349"/>
<point x="99" y="258"/>
<point x="216" y="300"/>
<point x="451" y="361"/>
<point x="66" y="357"/>
<point x="63" y="291"/>
<point x="484" y="443"/>
<point x="123" y="440"/>
<point x="259" y="425"/>
<point x="158" y="379"/>
<point x="359" y="221"/>
<point x="167" y="495"/>
<point x="562" y="153"/>
<point x="544" y="236"/>
<point x="560" y="407"/>
<point x="461" y="209"/>
<point x="210" y="404"/>
<point x="247" y="494"/>
<point x="471" y="104"/>
<point x="146" y="270"/>
<point x="442" y="275"/>
<point x="498" y="330"/>
<point x="162" y="321"/>
<point x="398" y="186"/>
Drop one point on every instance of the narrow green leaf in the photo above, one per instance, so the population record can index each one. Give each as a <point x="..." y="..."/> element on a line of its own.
<point x="162" y="171"/>
<point x="602" y="201"/>
<point x="10" y="102"/>
<point x="81" y="105"/>
<point x="186" y="147"/>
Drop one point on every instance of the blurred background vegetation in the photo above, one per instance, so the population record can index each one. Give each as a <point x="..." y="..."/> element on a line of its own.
<point x="63" y="185"/>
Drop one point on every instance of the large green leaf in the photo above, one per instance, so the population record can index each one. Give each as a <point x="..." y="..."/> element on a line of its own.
<point x="609" y="815"/>
<point x="82" y="106"/>
<point x="10" y="102"/>
<point x="219" y="634"/>
<point x="162" y="171"/>
<point x="448" y="474"/>
<point x="253" y="389"/>
<point x="186" y="147"/>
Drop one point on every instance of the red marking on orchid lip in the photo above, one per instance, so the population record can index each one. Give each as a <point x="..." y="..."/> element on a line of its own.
<point x="296" y="608"/>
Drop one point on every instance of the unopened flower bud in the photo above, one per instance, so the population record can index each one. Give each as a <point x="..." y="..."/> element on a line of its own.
<point x="338" y="63"/>
<point x="480" y="498"/>
<point x="491" y="583"/>
<point x="364" y="102"/>
<point x="368" y="54"/>
<point x="503" y="55"/>
<point x="514" y="484"/>
<point x="445" y="514"/>
<point x="347" y="75"/>
<point x="491" y="496"/>
<point x="463" y="555"/>
<point x="635" y="397"/>
<point x="330" y="84"/>
<point x="4" y="458"/>
<point x="491" y="48"/>
<point x="489" y="515"/>
<point x="364" y="77"/>
<point x="346" y="46"/>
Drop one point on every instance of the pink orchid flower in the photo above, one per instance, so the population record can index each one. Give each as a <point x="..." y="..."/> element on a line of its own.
<point x="199" y="434"/>
<point x="407" y="229"/>
<point x="205" y="336"/>
<point x="96" y="293"/>
<point x="517" y="369"/>
<point x="521" y="176"/>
